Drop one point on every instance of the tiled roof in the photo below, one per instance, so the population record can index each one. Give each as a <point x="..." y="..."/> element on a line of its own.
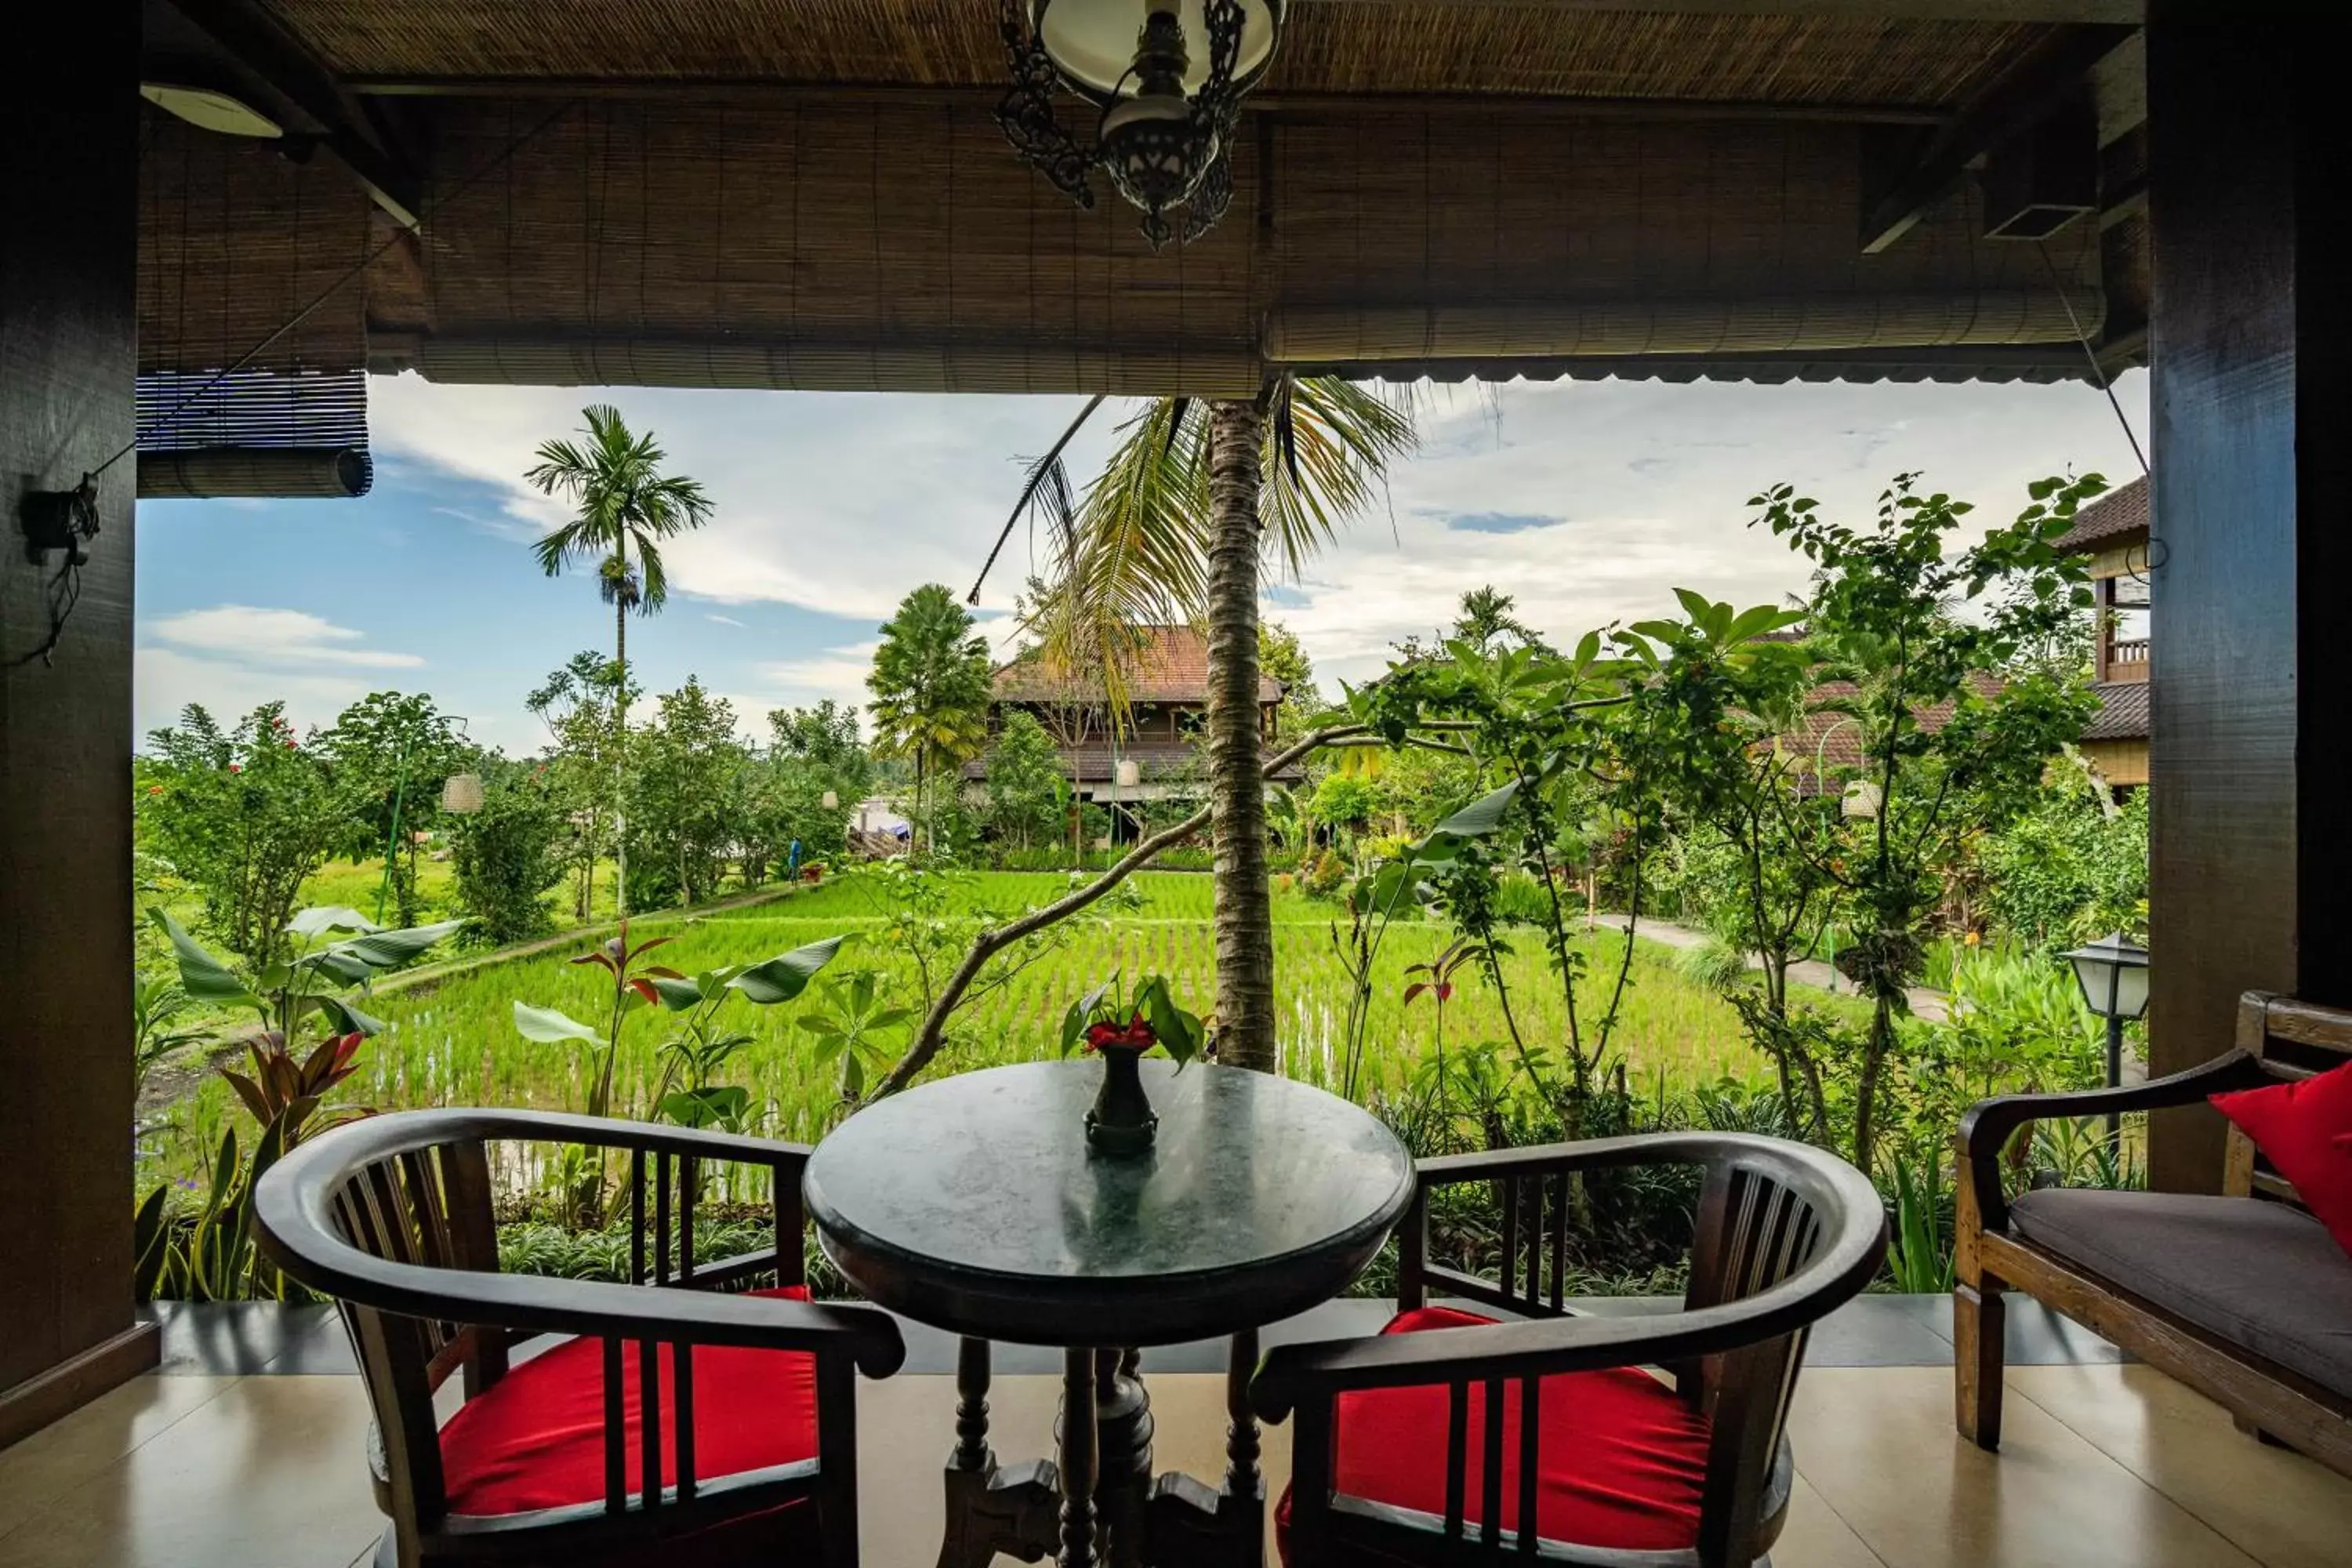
<point x="1837" y="741"/>
<point x="1172" y="665"/>
<point x="1155" y="759"/>
<point x="2109" y="518"/>
<point x="2123" y="712"/>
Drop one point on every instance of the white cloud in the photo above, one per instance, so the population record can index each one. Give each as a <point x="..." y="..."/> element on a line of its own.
<point x="725" y="621"/>
<point x="234" y="658"/>
<point x="257" y="635"/>
<point x="842" y="503"/>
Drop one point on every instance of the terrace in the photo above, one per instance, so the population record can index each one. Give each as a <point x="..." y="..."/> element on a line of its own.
<point x="814" y="195"/>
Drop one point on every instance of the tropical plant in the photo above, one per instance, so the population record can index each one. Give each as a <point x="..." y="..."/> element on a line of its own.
<point x="579" y="703"/>
<point x="157" y="1001"/>
<point x="685" y="819"/>
<point x="1918" y="1256"/>
<point x="1174" y="529"/>
<point x="1112" y="1016"/>
<point x="625" y="504"/>
<point x="334" y="949"/>
<point x="930" y="690"/>
<point x="845" y="1025"/>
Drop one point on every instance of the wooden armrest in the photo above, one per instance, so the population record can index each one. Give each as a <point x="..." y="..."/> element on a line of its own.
<point x="1985" y="1126"/>
<point x="1294" y="1373"/>
<point x="1592" y="1153"/>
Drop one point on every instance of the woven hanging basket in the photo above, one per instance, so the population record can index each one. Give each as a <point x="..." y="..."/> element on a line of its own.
<point x="462" y="795"/>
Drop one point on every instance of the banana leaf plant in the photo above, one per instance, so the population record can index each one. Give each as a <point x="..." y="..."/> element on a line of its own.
<point x="699" y="1047"/>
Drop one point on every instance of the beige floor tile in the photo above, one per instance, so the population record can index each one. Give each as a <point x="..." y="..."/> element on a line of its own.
<point x="1815" y="1537"/>
<point x="33" y="1472"/>
<point x="272" y="1472"/>
<point x="2283" y="1509"/>
<point x="1878" y="1445"/>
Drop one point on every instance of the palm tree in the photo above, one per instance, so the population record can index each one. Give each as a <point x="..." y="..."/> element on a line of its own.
<point x="931" y="688"/>
<point x="1174" y="528"/>
<point x="625" y="503"/>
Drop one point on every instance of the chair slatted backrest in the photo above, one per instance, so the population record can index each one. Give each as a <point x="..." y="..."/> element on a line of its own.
<point x="2295" y="1041"/>
<point x="1754" y="1231"/>
<point x="432" y="1208"/>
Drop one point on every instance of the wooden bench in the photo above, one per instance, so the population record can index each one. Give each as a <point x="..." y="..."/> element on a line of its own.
<point x="2243" y="1297"/>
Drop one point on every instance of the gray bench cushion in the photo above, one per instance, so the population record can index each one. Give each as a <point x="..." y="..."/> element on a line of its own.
<point x="2263" y="1275"/>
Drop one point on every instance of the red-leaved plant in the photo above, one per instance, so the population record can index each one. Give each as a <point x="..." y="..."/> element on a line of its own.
<point x="1107" y="1018"/>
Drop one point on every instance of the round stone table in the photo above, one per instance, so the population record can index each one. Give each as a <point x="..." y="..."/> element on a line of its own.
<point x="974" y="1204"/>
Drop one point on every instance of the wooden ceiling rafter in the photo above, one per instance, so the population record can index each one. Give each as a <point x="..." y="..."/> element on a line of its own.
<point x="333" y="121"/>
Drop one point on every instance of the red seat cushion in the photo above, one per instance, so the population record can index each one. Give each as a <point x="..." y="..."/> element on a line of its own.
<point x="535" y="1440"/>
<point x="1623" y="1459"/>
<point x="2304" y="1128"/>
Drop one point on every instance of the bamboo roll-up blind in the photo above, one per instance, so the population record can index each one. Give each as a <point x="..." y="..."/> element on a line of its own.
<point x="235" y="240"/>
<point x="862" y="244"/>
<point x="1625" y="328"/>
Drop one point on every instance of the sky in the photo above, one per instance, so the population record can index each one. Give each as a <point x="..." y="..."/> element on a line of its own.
<point x="1588" y="502"/>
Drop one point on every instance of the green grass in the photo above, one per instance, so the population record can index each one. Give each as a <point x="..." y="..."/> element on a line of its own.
<point x="452" y="1041"/>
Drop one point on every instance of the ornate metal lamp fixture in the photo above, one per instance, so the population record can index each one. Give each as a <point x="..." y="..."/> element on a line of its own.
<point x="1169" y="95"/>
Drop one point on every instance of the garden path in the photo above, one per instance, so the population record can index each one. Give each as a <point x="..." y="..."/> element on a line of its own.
<point x="1925" y="1004"/>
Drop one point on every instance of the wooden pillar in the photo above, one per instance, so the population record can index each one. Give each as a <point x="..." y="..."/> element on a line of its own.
<point x="2252" y="798"/>
<point x="69" y="253"/>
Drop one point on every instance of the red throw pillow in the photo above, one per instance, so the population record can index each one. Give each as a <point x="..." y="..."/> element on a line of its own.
<point x="2305" y="1129"/>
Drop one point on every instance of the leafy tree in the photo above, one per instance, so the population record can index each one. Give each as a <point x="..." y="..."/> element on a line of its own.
<point x="1174" y="529"/>
<point x="1025" y="782"/>
<point x="507" y="855"/>
<point x="1281" y="655"/>
<point x="1881" y="618"/>
<point x="2071" y="869"/>
<point x="930" y="689"/>
<point x="1486" y="622"/>
<point x="627" y="502"/>
<point x="245" y="816"/>
<point x="825" y="737"/>
<point x="685" y="765"/>
<point x="580" y="704"/>
<point x="391" y="753"/>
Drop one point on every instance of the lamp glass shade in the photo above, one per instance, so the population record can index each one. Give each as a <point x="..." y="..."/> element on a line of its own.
<point x="461" y="793"/>
<point x="1092" y="42"/>
<point x="1128" y="775"/>
<point x="207" y="109"/>
<point x="2113" y="974"/>
<point x="1862" y="799"/>
<point x="830" y="800"/>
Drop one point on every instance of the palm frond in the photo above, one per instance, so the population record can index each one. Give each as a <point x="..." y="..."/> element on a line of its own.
<point x="1045" y="487"/>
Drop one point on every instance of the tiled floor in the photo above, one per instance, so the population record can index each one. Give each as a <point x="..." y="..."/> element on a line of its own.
<point x="218" y="1461"/>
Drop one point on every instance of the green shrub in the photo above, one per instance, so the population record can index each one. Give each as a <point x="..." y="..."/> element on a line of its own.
<point x="505" y="856"/>
<point x="1325" y="877"/>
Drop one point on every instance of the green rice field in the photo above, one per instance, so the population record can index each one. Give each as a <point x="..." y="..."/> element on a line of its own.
<point x="451" y="1040"/>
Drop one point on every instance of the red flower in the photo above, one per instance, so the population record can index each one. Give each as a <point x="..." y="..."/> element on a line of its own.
<point x="1135" y="1034"/>
<point x="235" y="768"/>
<point x="154" y="789"/>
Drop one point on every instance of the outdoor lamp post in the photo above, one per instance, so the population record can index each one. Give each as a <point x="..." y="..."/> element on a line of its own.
<point x="2113" y="974"/>
<point x="1168" y="76"/>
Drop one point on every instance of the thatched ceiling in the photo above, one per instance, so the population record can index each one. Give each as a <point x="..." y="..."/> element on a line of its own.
<point x="810" y="192"/>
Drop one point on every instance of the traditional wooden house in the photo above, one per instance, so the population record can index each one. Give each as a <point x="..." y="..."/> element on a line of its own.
<point x="2113" y="532"/>
<point x="1153" y="753"/>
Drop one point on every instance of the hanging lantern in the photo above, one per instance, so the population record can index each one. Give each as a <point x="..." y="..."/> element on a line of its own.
<point x="461" y="794"/>
<point x="1128" y="773"/>
<point x="1168" y="76"/>
<point x="830" y="800"/>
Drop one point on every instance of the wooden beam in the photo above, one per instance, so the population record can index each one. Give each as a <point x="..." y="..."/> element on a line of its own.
<point x="258" y="45"/>
<point x="2030" y="90"/>
<point x="2120" y="11"/>
<point x="1510" y="106"/>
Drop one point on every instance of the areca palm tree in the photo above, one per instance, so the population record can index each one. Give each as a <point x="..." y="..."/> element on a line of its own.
<point x="1192" y="499"/>
<point x="625" y="504"/>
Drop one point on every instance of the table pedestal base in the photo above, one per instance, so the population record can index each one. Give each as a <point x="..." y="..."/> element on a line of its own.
<point x="1100" y="1503"/>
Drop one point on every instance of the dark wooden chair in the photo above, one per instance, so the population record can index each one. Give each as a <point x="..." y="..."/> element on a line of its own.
<point x="686" y="1417"/>
<point x="1440" y="1446"/>
<point x="2243" y="1297"/>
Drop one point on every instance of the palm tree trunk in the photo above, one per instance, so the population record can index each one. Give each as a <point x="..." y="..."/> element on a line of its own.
<point x="1245" y="925"/>
<point x="620" y="754"/>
